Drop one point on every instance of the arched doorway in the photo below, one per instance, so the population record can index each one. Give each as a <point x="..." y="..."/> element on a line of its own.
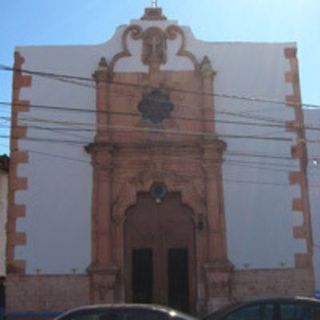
<point x="160" y="252"/>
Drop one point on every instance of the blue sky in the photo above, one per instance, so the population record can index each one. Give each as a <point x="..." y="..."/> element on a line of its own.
<point x="61" y="22"/>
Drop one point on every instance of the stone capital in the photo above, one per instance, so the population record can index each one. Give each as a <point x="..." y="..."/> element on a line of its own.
<point x="212" y="152"/>
<point x="98" y="270"/>
<point x="101" y="147"/>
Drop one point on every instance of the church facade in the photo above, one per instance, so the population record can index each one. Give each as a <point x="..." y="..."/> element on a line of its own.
<point x="146" y="169"/>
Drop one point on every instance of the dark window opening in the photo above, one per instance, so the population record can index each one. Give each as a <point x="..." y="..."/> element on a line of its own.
<point x="142" y="276"/>
<point x="178" y="279"/>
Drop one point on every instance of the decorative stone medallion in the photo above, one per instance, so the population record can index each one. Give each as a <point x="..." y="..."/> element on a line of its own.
<point x="155" y="106"/>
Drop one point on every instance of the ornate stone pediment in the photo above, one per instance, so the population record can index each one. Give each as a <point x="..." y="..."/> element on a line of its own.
<point x="154" y="45"/>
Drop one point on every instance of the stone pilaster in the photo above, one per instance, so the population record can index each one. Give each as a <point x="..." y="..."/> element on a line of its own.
<point x="207" y="74"/>
<point x="217" y="269"/>
<point x="212" y="161"/>
<point x="101" y="77"/>
<point x="102" y="270"/>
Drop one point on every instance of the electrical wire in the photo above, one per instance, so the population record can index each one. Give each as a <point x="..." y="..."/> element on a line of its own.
<point x="243" y="114"/>
<point x="280" y="124"/>
<point x="59" y="77"/>
<point x="81" y="143"/>
<point x="136" y="114"/>
<point x="171" y="132"/>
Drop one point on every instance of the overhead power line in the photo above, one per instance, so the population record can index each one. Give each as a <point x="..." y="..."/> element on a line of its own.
<point x="227" y="180"/>
<point x="86" y="127"/>
<point x="81" y="143"/>
<point x="179" y="132"/>
<point x="90" y="83"/>
<point x="279" y="124"/>
<point x="74" y="80"/>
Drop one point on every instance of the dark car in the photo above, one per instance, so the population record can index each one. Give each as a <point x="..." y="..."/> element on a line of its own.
<point x="296" y="308"/>
<point x="124" y="312"/>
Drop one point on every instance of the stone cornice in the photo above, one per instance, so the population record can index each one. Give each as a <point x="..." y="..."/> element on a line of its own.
<point x="95" y="147"/>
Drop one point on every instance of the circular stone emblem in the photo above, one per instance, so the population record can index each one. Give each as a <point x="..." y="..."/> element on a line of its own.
<point x="158" y="191"/>
<point x="155" y="106"/>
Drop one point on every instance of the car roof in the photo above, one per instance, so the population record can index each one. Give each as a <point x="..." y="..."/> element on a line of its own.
<point x="153" y="307"/>
<point x="236" y="305"/>
<point x="283" y="299"/>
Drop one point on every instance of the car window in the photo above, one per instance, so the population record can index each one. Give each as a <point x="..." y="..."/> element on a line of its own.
<point x="254" y="312"/>
<point x="268" y="311"/>
<point x="92" y="315"/>
<point x="141" y="314"/>
<point x="316" y="315"/>
<point x="82" y="317"/>
<point x="297" y="311"/>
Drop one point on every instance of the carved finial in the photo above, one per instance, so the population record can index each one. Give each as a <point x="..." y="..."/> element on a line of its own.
<point x="206" y="69"/>
<point x="101" y="73"/>
<point x="103" y="63"/>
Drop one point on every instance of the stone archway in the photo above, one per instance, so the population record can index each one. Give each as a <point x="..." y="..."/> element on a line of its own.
<point x="160" y="254"/>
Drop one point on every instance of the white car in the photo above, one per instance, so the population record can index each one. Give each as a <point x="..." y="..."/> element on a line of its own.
<point x="124" y="312"/>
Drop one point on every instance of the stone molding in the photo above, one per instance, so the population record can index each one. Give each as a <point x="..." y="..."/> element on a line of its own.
<point x="299" y="152"/>
<point x="18" y="156"/>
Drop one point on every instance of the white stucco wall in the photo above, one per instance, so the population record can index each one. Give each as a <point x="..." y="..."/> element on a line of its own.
<point x="257" y="195"/>
<point x="3" y="219"/>
<point x="312" y="124"/>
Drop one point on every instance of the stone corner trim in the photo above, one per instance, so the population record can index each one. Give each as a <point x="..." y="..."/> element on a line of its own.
<point x="299" y="152"/>
<point x="17" y="157"/>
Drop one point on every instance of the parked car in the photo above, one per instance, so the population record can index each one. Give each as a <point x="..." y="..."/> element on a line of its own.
<point x="296" y="308"/>
<point x="124" y="312"/>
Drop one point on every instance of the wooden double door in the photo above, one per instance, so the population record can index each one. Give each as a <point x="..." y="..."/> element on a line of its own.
<point x="160" y="253"/>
